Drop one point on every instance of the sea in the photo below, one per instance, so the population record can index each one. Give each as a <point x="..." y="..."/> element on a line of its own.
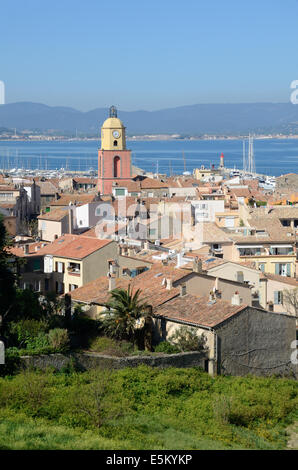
<point x="273" y="157"/>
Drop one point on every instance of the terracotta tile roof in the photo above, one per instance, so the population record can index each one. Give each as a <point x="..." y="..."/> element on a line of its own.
<point x="55" y="214"/>
<point x="47" y="188"/>
<point x="150" y="283"/>
<point x="241" y="192"/>
<point x="7" y="206"/>
<point x="213" y="234"/>
<point x="80" y="247"/>
<point x="61" y="242"/>
<point x="151" y="183"/>
<point x="284" y="279"/>
<point x="79" y="198"/>
<point x="73" y="246"/>
<point x="82" y="180"/>
<point x="97" y="291"/>
<point x="198" y="310"/>
<point x="34" y="249"/>
<point x="151" y="288"/>
<point x="8" y="187"/>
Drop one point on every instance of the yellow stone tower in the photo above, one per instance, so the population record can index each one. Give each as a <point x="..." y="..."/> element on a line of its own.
<point x="113" y="132"/>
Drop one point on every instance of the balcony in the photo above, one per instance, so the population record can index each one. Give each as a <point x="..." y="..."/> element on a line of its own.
<point x="74" y="269"/>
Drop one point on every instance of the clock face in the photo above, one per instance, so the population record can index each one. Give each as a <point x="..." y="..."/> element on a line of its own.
<point x="116" y="134"/>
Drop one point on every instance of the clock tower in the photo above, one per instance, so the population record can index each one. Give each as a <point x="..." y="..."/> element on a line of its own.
<point x="114" y="160"/>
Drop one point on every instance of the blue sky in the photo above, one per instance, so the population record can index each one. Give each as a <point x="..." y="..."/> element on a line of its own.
<point x="150" y="54"/>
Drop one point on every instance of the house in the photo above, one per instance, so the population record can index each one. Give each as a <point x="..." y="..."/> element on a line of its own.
<point x="241" y="339"/>
<point x="69" y="262"/>
<point x="48" y="194"/>
<point x="276" y="285"/>
<point x="267" y="243"/>
<point x="15" y="200"/>
<point x="53" y="224"/>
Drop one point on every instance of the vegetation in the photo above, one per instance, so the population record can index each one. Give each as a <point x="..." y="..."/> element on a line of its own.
<point x="167" y="348"/>
<point x="127" y="317"/>
<point x="187" y="339"/>
<point x="144" y="408"/>
<point x="111" y="347"/>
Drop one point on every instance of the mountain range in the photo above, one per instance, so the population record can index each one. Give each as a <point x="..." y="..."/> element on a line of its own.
<point x="198" y="119"/>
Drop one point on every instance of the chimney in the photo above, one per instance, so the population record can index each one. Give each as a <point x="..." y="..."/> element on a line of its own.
<point x="169" y="283"/>
<point x="131" y="251"/>
<point x="26" y="249"/>
<point x="197" y="265"/>
<point x="112" y="282"/>
<point x="70" y="219"/>
<point x="179" y="260"/>
<point x="182" y="290"/>
<point x="236" y="299"/>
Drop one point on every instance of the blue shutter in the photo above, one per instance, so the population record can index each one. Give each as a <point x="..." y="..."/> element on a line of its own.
<point x="276" y="297"/>
<point x="276" y="268"/>
<point x="288" y="269"/>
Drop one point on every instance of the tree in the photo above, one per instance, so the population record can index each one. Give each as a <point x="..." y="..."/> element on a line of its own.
<point x="187" y="339"/>
<point x="128" y="317"/>
<point x="7" y="277"/>
<point x="290" y="301"/>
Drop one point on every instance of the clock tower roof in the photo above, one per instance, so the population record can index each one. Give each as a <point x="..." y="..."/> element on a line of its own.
<point x="113" y="123"/>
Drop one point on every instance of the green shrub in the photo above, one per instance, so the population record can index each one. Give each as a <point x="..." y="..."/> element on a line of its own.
<point x="58" y="339"/>
<point x="110" y="346"/>
<point x="25" y="331"/>
<point x="222" y="409"/>
<point x="39" y="342"/>
<point x="187" y="339"/>
<point x="167" y="348"/>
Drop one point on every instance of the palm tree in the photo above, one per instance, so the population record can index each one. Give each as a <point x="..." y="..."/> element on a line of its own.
<point x="128" y="315"/>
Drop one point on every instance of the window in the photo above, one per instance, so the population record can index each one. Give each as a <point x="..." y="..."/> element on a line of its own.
<point x="286" y="223"/>
<point x="117" y="167"/>
<point x="72" y="287"/>
<point x="46" y="284"/>
<point x="59" y="267"/>
<point x="59" y="287"/>
<point x="283" y="269"/>
<point x="74" y="268"/>
<point x="278" y="297"/>
<point x="120" y="192"/>
<point x="37" y="286"/>
<point x="36" y="265"/>
<point x="115" y="143"/>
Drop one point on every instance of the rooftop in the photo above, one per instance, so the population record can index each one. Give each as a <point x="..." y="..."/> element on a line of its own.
<point x="198" y="310"/>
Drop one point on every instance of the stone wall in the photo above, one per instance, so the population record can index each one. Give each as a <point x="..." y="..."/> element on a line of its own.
<point x="86" y="361"/>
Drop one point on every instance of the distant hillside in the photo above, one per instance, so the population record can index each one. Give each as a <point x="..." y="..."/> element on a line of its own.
<point x="189" y="120"/>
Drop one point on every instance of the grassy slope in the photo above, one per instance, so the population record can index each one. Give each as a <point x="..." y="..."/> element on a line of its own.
<point x="160" y="409"/>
